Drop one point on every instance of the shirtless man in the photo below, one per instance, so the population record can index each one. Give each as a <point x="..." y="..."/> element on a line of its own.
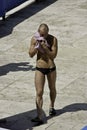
<point x="46" y="51"/>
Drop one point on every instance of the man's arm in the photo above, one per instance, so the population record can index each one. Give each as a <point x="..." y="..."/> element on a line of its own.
<point x="32" y="49"/>
<point x="51" y="54"/>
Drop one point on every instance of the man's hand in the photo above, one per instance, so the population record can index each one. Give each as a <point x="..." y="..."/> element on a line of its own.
<point x="44" y="46"/>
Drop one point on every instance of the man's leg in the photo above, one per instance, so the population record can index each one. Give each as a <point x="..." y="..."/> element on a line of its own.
<point x="39" y="84"/>
<point x="52" y="81"/>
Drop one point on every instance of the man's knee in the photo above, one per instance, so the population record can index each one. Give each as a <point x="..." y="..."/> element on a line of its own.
<point x="53" y="90"/>
<point x="39" y="94"/>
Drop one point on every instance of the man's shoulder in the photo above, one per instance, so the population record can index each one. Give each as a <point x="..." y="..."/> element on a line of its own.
<point x="51" y="36"/>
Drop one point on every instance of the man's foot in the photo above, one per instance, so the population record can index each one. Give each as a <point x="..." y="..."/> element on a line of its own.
<point x="52" y="112"/>
<point x="38" y="120"/>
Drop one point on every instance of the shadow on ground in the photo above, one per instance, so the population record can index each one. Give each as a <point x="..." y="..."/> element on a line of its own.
<point x="22" y="66"/>
<point x="6" y="27"/>
<point x="22" y="121"/>
<point x="71" y="108"/>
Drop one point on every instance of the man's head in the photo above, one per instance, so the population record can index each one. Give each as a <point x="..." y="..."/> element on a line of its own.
<point x="43" y="30"/>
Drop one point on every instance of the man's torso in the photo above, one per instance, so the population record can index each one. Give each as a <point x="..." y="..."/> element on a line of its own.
<point x="43" y="61"/>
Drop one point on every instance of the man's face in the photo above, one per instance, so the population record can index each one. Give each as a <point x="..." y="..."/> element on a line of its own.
<point x="43" y="32"/>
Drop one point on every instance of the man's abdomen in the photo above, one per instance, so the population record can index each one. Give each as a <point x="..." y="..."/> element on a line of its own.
<point x="45" y="63"/>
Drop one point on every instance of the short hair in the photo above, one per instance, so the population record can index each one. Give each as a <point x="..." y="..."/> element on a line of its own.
<point x="45" y="25"/>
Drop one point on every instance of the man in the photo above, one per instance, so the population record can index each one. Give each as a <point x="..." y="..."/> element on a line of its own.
<point x="45" y="46"/>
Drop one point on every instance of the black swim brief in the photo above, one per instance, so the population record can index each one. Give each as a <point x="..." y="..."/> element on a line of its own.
<point x="46" y="71"/>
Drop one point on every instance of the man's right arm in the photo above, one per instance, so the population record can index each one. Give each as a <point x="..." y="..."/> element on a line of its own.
<point x="32" y="49"/>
